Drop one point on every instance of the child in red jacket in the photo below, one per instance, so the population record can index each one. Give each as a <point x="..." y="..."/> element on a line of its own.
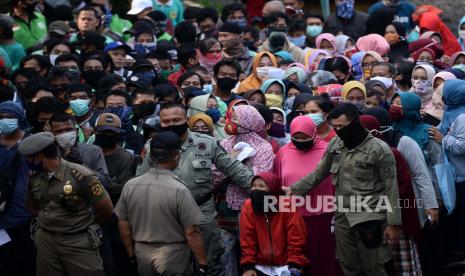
<point x="271" y="242"/>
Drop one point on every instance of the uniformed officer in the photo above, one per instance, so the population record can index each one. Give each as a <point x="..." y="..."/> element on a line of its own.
<point x="362" y="166"/>
<point x="61" y="194"/>
<point x="158" y="216"/>
<point x="198" y="153"/>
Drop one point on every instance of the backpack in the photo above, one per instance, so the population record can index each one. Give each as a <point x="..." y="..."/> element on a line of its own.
<point x="8" y="182"/>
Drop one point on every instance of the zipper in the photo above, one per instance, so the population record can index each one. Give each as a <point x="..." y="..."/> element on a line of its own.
<point x="271" y="240"/>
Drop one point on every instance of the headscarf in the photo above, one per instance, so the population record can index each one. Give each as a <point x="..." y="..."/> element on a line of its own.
<point x="284" y="55"/>
<point x="252" y="81"/>
<point x="282" y="113"/>
<point x="411" y="124"/>
<point x="303" y="88"/>
<point x="373" y="42"/>
<point x="371" y="123"/>
<point x="271" y="180"/>
<point x="444" y="75"/>
<point x="328" y="37"/>
<point x="311" y="57"/>
<point x="374" y="54"/>
<point x="267" y="83"/>
<point x="305" y="125"/>
<point x="455" y="56"/>
<point x="429" y="34"/>
<point x="348" y="86"/>
<point x="299" y="100"/>
<point x="320" y="77"/>
<point x="454" y="98"/>
<point x="459" y="74"/>
<point x="301" y="74"/>
<point x="201" y="117"/>
<point x="298" y="65"/>
<point x="430" y="20"/>
<point x="380" y="113"/>
<point x="428" y="94"/>
<point x="199" y="105"/>
<point x="416" y="47"/>
<point x="341" y="41"/>
<point x="251" y="123"/>
<point x="460" y="40"/>
<point x="356" y="60"/>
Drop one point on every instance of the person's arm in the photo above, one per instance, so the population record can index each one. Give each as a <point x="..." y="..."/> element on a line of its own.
<point x="126" y="237"/>
<point x="31" y="205"/>
<point x="388" y="176"/>
<point x="103" y="210"/>
<point x="195" y="243"/>
<point x="98" y="197"/>
<point x="238" y="172"/>
<point x="248" y="238"/>
<point x="454" y="142"/>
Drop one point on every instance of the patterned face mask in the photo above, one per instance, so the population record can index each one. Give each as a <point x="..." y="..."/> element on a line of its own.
<point x="420" y="87"/>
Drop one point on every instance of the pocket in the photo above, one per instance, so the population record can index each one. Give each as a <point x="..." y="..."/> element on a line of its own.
<point x="201" y="164"/>
<point x="363" y="179"/>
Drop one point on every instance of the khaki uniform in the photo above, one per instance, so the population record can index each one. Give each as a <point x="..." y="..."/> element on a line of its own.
<point x="367" y="170"/>
<point x="159" y="207"/>
<point x="199" y="153"/>
<point x="65" y="242"/>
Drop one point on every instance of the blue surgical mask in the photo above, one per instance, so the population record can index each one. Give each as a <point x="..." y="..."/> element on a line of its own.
<point x="317" y="118"/>
<point x="79" y="106"/>
<point x="8" y="125"/>
<point x="298" y="41"/>
<point x="214" y="113"/>
<point x="208" y="88"/>
<point x="313" y="30"/>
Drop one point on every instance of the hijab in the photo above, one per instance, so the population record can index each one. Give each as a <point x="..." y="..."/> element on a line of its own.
<point x="460" y="40"/>
<point x="271" y="180"/>
<point x="411" y="124"/>
<point x="301" y="74"/>
<point x="328" y="37"/>
<point x="416" y="47"/>
<point x="252" y="81"/>
<point x="199" y="105"/>
<point x="311" y="57"/>
<point x="348" y="86"/>
<point x="428" y="94"/>
<point x="454" y="98"/>
<point x="267" y="83"/>
<point x="201" y="117"/>
<point x="284" y="55"/>
<point x="373" y="42"/>
<point x="299" y="100"/>
<point x="455" y="56"/>
<point x="341" y="41"/>
<point x="357" y="69"/>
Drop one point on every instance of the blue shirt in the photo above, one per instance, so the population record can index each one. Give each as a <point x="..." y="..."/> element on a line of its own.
<point x="17" y="213"/>
<point x="403" y="14"/>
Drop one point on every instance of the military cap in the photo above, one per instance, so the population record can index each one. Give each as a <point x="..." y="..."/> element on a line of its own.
<point x="36" y="143"/>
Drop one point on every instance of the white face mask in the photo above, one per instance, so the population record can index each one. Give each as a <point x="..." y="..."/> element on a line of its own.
<point x="386" y="81"/>
<point x="462" y="34"/>
<point x="66" y="140"/>
<point x="53" y="57"/>
<point x="262" y="72"/>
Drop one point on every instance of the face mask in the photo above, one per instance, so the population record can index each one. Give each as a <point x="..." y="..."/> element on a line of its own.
<point x="460" y="67"/>
<point x="66" y="140"/>
<point x="386" y="81"/>
<point x="262" y="72"/>
<point x="178" y="129"/>
<point x="395" y="112"/>
<point x="250" y="45"/>
<point x="313" y="30"/>
<point x="392" y="38"/>
<point x="93" y="77"/>
<point x="207" y="88"/>
<point x="422" y="63"/>
<point x="359" y="104"/>
<point x="165" y="73"/>
<point x="353" y="134"/>
<point x="74" y="74"/>
<point x="273" y="100"/>
<point x="420" y="87"/>
<point x="52" y="58"/>
<point x="462" y="34"/>
<point x="143" y="110"/>
<point x="413" y="36"/>
<point x="226" y="84"/>
<point x="214" y="113"/>
<point x="8" y="125"/>
<point x="277" y="130"/>
<point x="277" y="30"/>
<point x="298" y="41"/>
<point x="367" y="73"/>
<point x="257" y="197"/>
<point x="144" y="48"/>
<point x="317" y="118"/>
<point x="214" y="58"/>
<point x="345" y="9"/>
<point x="107" y="141"/>
<point x="148" y="76"/>
<point x="289" y="103"/>
<point x="210" y="33"/>
<point x="240" y="22"/>
<point x="302" y="145"/>
<point x="230" y="128"/>
<point x="80" y="107"/>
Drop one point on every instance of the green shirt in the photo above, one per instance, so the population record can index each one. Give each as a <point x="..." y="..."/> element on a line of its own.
<point x="173" y="9"/>
<point x="119" y="26"/>
<point x="29" y="34"/>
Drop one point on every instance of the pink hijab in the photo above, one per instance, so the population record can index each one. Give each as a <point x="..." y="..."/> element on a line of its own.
<point x="292" y="164"/>
<point x="251" y="123"/>
<point x="326" y="36"/>
<point x="444" y="75"/>
<point x="311" y="58"/>
<point x="373" y="42"/>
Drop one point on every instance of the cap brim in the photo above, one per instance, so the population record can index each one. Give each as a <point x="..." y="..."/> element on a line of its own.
<point x="125" y="47"/>
<point x="111" y="128"/>
<point x="60" y="32"/>
<point x="135" y="11"/>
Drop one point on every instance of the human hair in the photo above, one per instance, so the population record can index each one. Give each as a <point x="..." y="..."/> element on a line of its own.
<point x="191" y="13"/>
<point x="297" y="25"/>
<point x="89" y="8"/>
<point x="104" y="60"/>
<point x="57" y="72"/>
<point x="336" y="63"/>
<point x="188" y="74"/>
<point x="119" y="93"/>
<point x="49" y="105"/>
<point x="314" y="14"/>
<point x="253" y="32"/>
<point x="231" y="8"/>
<point x="185" y="32"/>
<point x="347" y="109"/>
<point x="141" y="92"/>
<point x="35" y="84"/>
<point x="68" y="57"/>
<point x="51" y="43"/>
<point x="80" y="87"/>
<point x="207" y="12"/>
<point x="373" y="92"/>
<point x="28" y="73"/>
<point x="6" y="93"/>
<point x="165" y="90"/>
<point x="159" y="55"/>
<point x="199" y="68"/>
<point x="230" y="63"/>
<point x="322" y="101"/>
<point x="162" y="156"/>
<point x="44" y="63"/>
<point x="206" y="44"/>
<point x="185" y="53"/>
<point x="274" y="17"/>
<point x="264" y="111"/>
<point x="62" y="117"/>
<point x="50" y="151"/>
<point x="170" y="105"/>
<point x="390" y="66"/>
<point x="405" y="69"/>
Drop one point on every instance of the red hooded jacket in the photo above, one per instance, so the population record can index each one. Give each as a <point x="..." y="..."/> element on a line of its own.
<point x="274" y="239"/>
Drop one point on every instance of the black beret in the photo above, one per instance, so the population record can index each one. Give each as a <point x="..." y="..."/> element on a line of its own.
<point x="231" y="28"/>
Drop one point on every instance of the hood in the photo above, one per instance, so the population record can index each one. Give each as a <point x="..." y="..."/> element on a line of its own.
<point x="272" y="181"/>
<point x="303" y="124"/>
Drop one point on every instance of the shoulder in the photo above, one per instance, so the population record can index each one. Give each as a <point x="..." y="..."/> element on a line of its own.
<point x="80" y="172"/>
<point x="378" y="144"/>
<point x="336" y="143"/>
<point x="88" y="147"/>
<point x="202" y="137"/>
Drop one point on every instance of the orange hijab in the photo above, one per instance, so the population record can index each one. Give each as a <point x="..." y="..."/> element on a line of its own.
<point x="252" y="82"/>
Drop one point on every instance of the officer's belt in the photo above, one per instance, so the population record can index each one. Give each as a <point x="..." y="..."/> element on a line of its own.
<point x="64" y="233"/>
<point x="204" y="199"/>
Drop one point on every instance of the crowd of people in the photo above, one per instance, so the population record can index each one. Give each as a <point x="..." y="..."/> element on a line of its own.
<point x="151" y="142"/>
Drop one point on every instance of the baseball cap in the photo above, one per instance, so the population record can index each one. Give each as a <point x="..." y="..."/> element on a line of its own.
<point x="141" y="63"/>
<point x="137" y="6"/>
<point x="140" y="26"/>
<point x="231" y="28"/>
<point x="138" y="82"/>
<point x="115" y="45"/>
<point x="108" y="121"/>
<point x="92" y="38"/>
<point x="58" y="27"/>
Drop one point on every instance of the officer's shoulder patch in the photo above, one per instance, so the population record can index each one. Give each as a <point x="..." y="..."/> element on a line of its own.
<point x="96" y="188"/>
<point x="202" y="146"/>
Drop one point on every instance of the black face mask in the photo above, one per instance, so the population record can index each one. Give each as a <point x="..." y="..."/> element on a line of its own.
<point x="277" y="130"/>
<point x="178" y="129"/>
<point x="250" y="45"/>
<point x="258" y="201"/>
<point x="226" y="84"/>
<point x="353" y="134"/>
<point x="302" y="145"/>
<point x="107" y="141"/>
<point x="93" y="77"/>
<point x="143" y="110"/>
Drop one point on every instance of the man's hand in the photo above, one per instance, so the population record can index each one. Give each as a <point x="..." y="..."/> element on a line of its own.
<point x="435" y="134"/>
<point x="286" y="190"/>
<point x="88" y="131"/>
<point x="433" y="215"/>
<point x="250" y="273"/>
<point x="392" y="234"/>
<point x="234" y="154"/>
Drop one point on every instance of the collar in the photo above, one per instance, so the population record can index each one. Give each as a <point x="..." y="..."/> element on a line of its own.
<point x="162" y="171"/>
<point x="60" y="172"/>
<point x="189" y="141"/>
<point x="362" y="147"/>
<point x="168" y="4"/>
